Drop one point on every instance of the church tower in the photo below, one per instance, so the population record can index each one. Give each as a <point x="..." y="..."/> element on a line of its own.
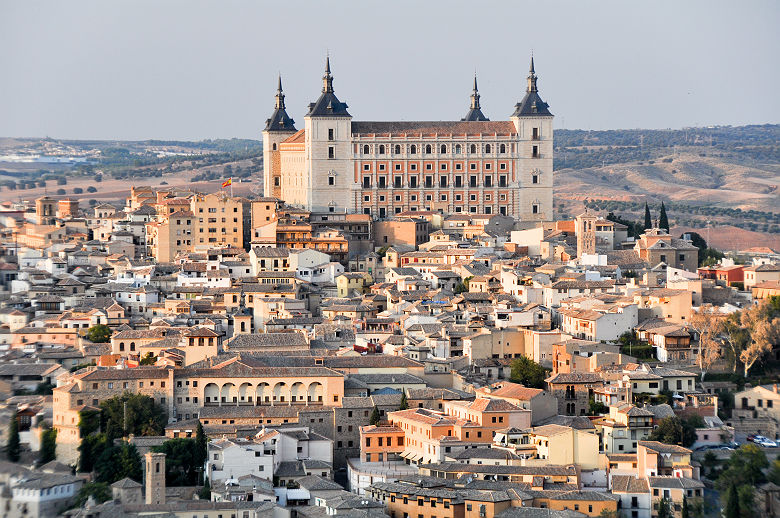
<point x="475" y="112"/>
<point x="277" y="129"/>
<point x="534" y="124"/>
<point x="329" y="155"/>
<point x="586" y="233"/>
<point x="155" y="478"/>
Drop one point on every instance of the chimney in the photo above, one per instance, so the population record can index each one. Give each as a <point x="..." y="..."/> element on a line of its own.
<point x="155" y="478"/>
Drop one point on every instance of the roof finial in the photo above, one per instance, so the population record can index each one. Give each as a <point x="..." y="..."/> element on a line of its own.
<point x="532" y="76"/>
<point x="475" y="95"/>
<point x="327" y="79"/>
<point x="279" y="95"/>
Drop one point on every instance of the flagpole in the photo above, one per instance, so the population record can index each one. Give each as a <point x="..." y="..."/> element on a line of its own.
<point x="231" y="186"/>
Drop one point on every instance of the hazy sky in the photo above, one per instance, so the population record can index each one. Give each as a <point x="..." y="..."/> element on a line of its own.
<point x="194" y="69"/>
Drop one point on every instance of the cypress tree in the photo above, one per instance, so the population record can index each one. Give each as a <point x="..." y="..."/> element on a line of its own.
<point x="48" y="446"/>
<point x="685" y="511"/>
<point x="375" y="418"/>
<point x="201" y="442"/>
<point x="404" y="402"/>
<point x="13" y="448"/>
<point x="663" y="220"/>
<point x="648" y="219"/>
<point x="732" y="503"/>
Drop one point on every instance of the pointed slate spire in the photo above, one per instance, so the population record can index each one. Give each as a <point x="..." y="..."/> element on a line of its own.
<point x="327" y="79"/>
<point x="279" y="95"/>
<point x="532" y="77"/>
<point x="475" y="112"/>
<point x="531" y="104"/>
<point x="328" y="104"/>
<point x="279" y="120"/>
<point x="475" y="95"/>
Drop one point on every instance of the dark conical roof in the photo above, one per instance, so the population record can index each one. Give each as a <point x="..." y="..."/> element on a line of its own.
<point x="475" y="112"/>
<point x="531" y="104"/>
<point x="328" y="105"/>
<point x="279" y="120"/>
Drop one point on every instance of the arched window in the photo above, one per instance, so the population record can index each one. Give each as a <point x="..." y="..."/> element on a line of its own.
<point x="473" y="148"/>
<point x="274" y="147"/>
<point x="382" y="149"/>
<point x="457" y="148"/>
<point x="366" y="149"/>
<point x="428" y="148"/>
<point x="413" y="150"/>
<point x="397" y="149"/>
<point x="487" y="148"/>
<point x="443" y="149"/>
<point x="502" y="149"/>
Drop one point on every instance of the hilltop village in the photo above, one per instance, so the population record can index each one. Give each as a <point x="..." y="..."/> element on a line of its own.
<point x="409" y="334"/>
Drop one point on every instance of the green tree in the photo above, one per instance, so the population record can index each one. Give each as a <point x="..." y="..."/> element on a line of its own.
<point x="98" y="334"/>
<point x="404" y="402"/>
<point x="664" y="509"/>
<point x="527" y="372"/>
<point x="149" y="359"/>
<point x="13" y="447"/>
<point x="201" y="445"/>
<point x="685" y="511"/>
<point x="48" y="451"/>
<point x="143" y="416"/>
<point x="674" y="430"/>
<point x="648" y="219"/>
<point x="745" y="466"/>
<point x="731" y="505"/>
<point x="117" y="462"/>
<point x="774" y="473"/>
<point x="99" y="491"/>
<point x="663" y="220"/>
<point x="90" y="449"/>
<point x="181" y="461"/>
<point x="710" y="463"/>
<point x="597" y="408"/>
<point x="205" y="491"/>
<point x="747" y="501"/>
<point x="375" y="418"/>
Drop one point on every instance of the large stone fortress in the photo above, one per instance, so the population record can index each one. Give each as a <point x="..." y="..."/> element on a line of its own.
<point x="335" y="164"/>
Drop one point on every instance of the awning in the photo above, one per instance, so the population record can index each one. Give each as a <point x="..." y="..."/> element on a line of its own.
<point x="406" y="454"/>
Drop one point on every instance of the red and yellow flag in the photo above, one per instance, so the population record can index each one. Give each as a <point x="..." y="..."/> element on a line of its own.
<point x="227" y="182"/>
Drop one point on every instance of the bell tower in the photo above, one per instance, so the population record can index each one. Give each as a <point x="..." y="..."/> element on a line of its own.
<point x="155" y="478"/>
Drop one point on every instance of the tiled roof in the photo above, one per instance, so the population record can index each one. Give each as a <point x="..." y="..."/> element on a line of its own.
<point x="442" y="128"/>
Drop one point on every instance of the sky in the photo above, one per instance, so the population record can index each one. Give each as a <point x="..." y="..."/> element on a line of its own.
<point x="194" y="69"/>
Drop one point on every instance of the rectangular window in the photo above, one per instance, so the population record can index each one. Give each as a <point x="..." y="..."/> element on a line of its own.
<point x="330" y="134"/>
<point x="331" y="180"/>
<point x="331" y="152"/>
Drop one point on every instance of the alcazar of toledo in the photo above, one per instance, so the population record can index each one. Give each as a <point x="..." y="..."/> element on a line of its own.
<point x="475" y="165"/>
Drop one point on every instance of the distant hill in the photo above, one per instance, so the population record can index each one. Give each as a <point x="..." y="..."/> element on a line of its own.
<point x="724" y="176"/>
